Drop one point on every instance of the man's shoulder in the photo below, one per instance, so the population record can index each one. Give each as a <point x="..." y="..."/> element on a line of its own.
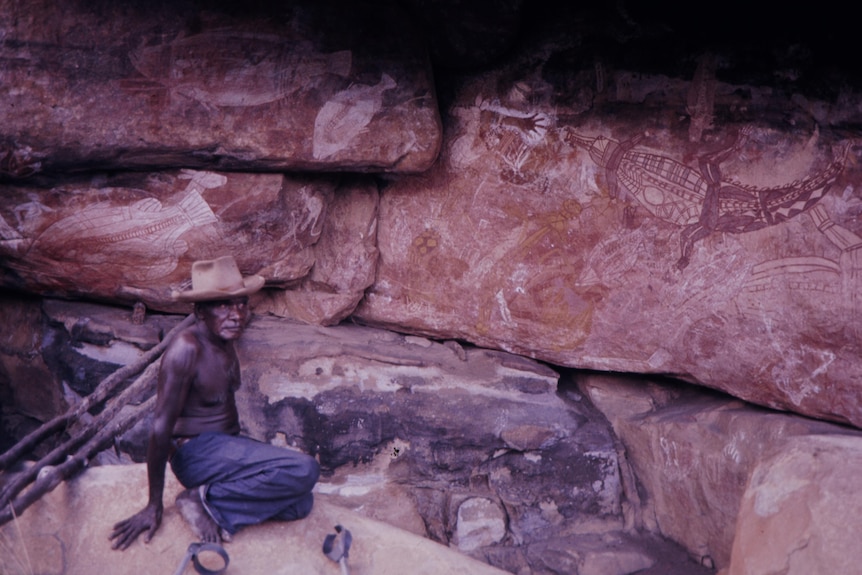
<point x="188" y="336"/>
<point x="186" y="343"/>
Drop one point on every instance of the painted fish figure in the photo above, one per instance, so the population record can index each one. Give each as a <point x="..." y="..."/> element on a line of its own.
<point x="347" y="115"/>
<point x="104" y="232"/>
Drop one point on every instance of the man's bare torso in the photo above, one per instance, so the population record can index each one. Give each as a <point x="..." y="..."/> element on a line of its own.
<point x="210" y="404"/>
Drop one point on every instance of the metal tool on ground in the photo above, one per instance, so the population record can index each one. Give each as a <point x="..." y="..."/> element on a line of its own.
<point x="194" y="553"/>
<point x="337" y="545"/>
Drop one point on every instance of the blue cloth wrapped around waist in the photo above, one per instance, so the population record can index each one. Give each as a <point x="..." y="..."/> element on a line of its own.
<point x="246" y="481"/>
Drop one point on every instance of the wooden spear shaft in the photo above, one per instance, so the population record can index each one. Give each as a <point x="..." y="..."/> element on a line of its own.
<point x="102" y="391"/>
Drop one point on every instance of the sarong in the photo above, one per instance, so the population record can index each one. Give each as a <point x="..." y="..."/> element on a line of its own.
<point x="246" y="481"/>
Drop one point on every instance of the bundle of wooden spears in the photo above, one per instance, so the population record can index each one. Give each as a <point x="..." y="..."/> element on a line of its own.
<point x="20" y="488"/>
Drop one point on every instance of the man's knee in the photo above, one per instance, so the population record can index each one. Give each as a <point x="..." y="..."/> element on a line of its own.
<point x="298" y="510"/>
<point x="298" y="473"/>
<point x="310" y="471"/>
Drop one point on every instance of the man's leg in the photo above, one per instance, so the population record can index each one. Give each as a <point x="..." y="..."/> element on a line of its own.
<point x="282" y="491"/>
<point x="247" y="481"/>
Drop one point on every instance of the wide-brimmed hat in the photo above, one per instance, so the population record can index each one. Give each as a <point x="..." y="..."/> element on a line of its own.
<point x="218" y="279"/>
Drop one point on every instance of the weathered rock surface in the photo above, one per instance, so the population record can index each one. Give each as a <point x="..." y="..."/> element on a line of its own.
<point x="587" y="209"/>
<point x="498" y="456"/>
<point x="345" y="261"/>
<point x="66" y="533"/>
<point x="133" y="237"/>
<point x="609" y="196"/>
<point x="800" y="509"/>
<point x="134" y="85"/>
<point x="476" y="449"/>
<point x="693" y="454"/>
<point x="28" y="393"/>
<point x="591" y="225"/>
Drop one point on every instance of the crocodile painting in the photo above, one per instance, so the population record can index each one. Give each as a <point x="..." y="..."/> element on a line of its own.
<point x="700" y="199"/>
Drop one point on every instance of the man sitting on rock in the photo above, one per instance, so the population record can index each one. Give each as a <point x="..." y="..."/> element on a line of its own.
<point x="230" y="481"/>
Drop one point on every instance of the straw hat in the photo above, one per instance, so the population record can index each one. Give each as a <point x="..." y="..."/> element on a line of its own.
<point x="218" y="279"/>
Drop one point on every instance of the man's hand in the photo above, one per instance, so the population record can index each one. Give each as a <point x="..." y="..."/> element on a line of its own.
<point x="125" y="532"/>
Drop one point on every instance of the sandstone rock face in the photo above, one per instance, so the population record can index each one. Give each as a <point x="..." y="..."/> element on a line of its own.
<point x="28" y="391"/>
<point x="693" y="455"/>
<point x="702" y="222"/>
<point x="481" y="450"/>
<point x="66" y="533"/>
<point x="476" y="449"/>
<point x="582" y="211"/>
<point x="138" y="241"/>
<point x="496" y="453"/>
<point x="799" y="510"/>
<point x="133" y="85"/>
<point x="590" y="224"/>
<point x="345" y="261"/>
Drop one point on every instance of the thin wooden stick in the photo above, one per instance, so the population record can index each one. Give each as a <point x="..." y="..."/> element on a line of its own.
<point x="105" y="388"/>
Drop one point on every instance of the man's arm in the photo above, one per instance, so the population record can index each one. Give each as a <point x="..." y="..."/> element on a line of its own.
<point x="175" y="377"/>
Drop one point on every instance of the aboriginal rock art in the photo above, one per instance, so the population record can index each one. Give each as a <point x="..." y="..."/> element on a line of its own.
<point x="233" y="68"/>
<point x="817" y="275"/>
<point x="424" y="245"/>
<point x="797" y="273"/>
<point x="551" y="230"/>
<point x="612" y="258"/>
<point x="18" y="162"/>
<point x="514" y="136"/>
<point x="130" y="235"/>
<point x="850" y="260"/>
<point x="770" y="284"/>
<point x="700" y="199"/>
<point x="347" y="115"/>
<point x="10" y="239"/>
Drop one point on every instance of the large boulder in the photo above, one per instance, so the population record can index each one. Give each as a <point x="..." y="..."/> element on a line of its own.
<point x="29" y="392"/>
<point x="135" y="85"/>
<point x="129" y="238"/>
<point x="595" y="225"/>
<point x="495" y="454"/>
<point x="693" y="454"/>
<point x="66" y="533"/>
<point x="799" y="510"/>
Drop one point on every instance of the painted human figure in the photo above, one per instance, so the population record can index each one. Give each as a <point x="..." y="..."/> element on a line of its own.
<point x="231" y="481"/>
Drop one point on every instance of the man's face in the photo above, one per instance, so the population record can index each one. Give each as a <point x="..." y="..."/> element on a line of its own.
<point x="226" y="319"/>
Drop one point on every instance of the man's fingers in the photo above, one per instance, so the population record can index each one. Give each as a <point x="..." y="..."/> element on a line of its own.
<point x="120" y="543"/>
<point x="124" y="537"/>
<point x="119" y="528"/>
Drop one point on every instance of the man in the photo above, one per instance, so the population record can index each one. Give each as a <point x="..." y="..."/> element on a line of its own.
<point x="230" y="481"/>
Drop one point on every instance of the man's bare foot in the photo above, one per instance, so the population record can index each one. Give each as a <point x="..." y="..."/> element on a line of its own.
<point x="192" y="509"/>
